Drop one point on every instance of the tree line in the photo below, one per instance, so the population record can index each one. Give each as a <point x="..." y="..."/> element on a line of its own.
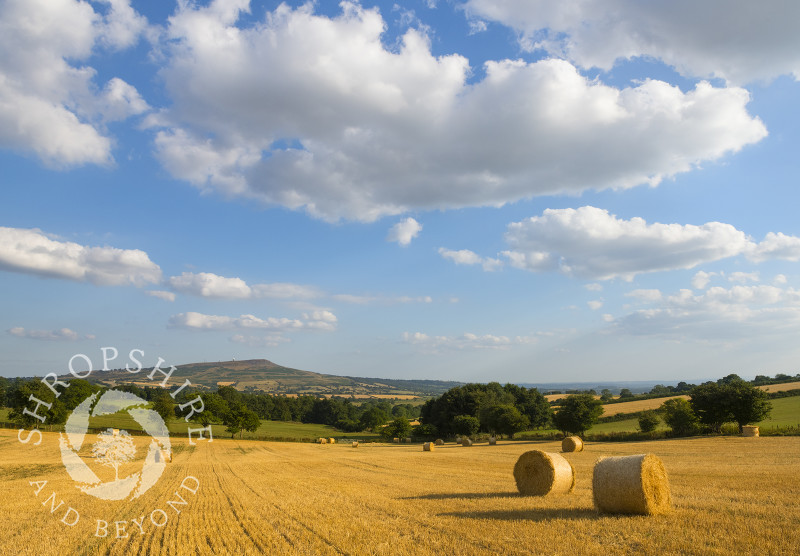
<point x="237" y="411"/>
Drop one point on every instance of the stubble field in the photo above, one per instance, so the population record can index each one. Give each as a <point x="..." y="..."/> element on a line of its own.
<point x="730" y="495"/>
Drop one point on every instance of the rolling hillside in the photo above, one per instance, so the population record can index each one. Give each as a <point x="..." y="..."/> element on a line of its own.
<point x="265" y="376"/>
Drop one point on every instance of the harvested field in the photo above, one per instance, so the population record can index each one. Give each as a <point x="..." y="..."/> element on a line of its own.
<point x="291" y="498"/>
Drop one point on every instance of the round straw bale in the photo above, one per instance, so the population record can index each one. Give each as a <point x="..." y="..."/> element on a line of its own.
<point x="322" y="440"/>
<point x="631" y="485"/>
<point x="539" y="473"/>
<point x="396" y="440"/>
<point x="439" y="442"/>
<point x="407" y="440"/>
<point x="355" y="444"/>
<point x="749" y="430"/>
<point x="466" y="442"/>
<point x="331" y="441"/>
<point x="572" y="444"/>
<point x="492" y="441"/>
<point x="428" y="447"/>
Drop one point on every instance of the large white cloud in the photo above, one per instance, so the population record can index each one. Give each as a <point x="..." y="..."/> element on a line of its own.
<point x="33" y="252"/>
<point x="738" y="40"/>
<point x="50" y="103"/>
<point x="589" y="242"/>
<point x="316" y="113"/>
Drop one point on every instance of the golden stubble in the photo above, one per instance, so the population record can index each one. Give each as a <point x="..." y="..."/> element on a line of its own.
<point x="729" y="495"/>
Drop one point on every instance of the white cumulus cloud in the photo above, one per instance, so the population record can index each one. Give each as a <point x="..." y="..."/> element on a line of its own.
<point x="404" y="231"/>
<point x="469" y="258"/>
<point x="315" y="113"/>
<point x="207" y="284"/>
<point x="31" y="251"/>
<point x="738" y="40"/>
<point x="50" y="103"/>
<point x="589" y="242"/>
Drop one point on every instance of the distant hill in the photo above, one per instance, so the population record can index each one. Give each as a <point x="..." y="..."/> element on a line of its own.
<point x="263" y="375"/>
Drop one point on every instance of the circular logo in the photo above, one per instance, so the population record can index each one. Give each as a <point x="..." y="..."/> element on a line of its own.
<point x="114" y="448"/>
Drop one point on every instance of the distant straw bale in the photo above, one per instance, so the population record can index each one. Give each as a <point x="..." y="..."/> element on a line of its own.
<point x="428" y="447"/>
<point x="749" y="430"/>
<point x="396" y="440"/>
<point x="466" y="442"/>
<point x="631" y="485"/>
<point x="572" y="444"/>
<point x="331" y="441"/>
<point x="439" y="442"/>
<point x="492" y="441"/>
<point x="407" y="440"/>
<point x="322" y="440"/>
<point x="355" y="444"/>
<point x="540" y="473"/>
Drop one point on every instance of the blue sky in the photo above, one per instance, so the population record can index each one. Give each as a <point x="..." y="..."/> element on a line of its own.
<point x="477" y="190"/>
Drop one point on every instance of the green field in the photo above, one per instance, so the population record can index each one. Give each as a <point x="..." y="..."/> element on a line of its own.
<point x="785" y="412"/>
<point x="268" y="430"/>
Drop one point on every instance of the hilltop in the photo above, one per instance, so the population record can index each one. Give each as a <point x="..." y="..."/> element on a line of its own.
<point x="262" y="375"/>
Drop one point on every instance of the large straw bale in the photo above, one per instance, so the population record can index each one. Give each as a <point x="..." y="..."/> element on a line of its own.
<point x="539" y="473"/>
<point x="428" y="447"/>
<point x="407" y="440"/>
<point x="439" y="442"/>
<point x="396" y="440"/>
<point x="749" y="430"/>
<point x="322" y="440"/>
<point x="466" y="442"/>
<point x="331" y="441"/>
<point x="572" y="444"/>
<point x="355" y="444"/>
<point x="492" y="441"/>
<point x="631" y="485"/>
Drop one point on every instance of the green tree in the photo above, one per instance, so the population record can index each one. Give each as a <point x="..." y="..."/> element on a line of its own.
<point x="373" y="418"/>
<point x="532" y="404"/>
<point x="578" y="413"/>
<point x="77" y="391"/>
<point x="625" y="393"/>
<point x="466" y="425"/>
<point x="239" y="418"/>
<point x="648" y="421"/>
<point x="709" y="403"/>
<point x="21" y="399"/>
<point x="399" y="428"/>
<point x="606" y="395"/>
<point x="164" y="405"/>
<point x="3" y="391"/>
<point x="729" y="399"/>
<point x="680" y="417"/>
<point x="504" y="419"/>
<point x="747" y="403"/>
